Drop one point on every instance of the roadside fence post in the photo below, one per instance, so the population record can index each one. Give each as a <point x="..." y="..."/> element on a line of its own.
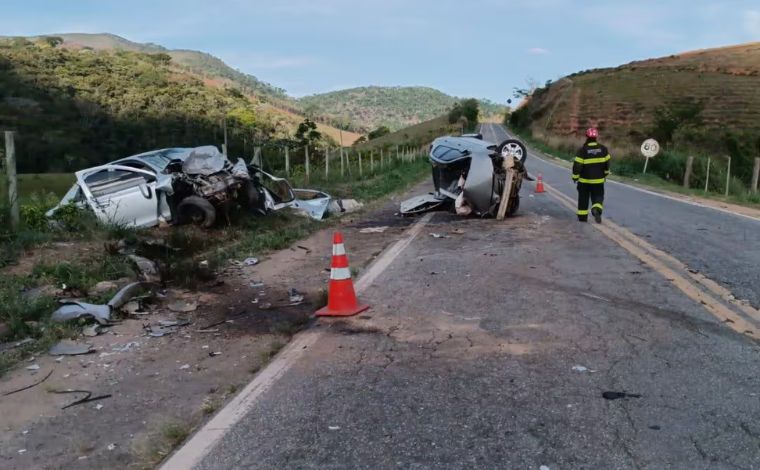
<point x="755" y="175"/>
<point x="728" y="175"/>
<point x="10" y="168"/>
<point x="287" y="161"/>
<point x="687" y="173"/>
<point x="707" y="179"/>
<point x="361" y="173"/>
<point x="327" y="162"/>
<point x="306" y="162"/>
<point x="371" y="161"/>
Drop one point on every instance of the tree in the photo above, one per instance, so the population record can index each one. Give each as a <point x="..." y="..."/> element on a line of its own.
<point x="379" y="132"/>
<point x="360" y="140"/>
<point x="307" y="132"/>
<point x="52" y="41"/>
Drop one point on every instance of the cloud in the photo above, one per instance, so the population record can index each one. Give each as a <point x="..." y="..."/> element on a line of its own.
<point x="538" y="51"/>
<point x="752" y="23"/>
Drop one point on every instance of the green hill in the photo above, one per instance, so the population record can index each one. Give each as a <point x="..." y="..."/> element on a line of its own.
<point x="396" y="107"/>
<point x="196" y="61"/>
<point x="719" y="86"/>
<point x="74" y="108"/>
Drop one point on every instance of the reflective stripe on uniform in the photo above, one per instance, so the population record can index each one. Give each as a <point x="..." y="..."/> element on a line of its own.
<point x="580" y="212"/>
<point x="598" y="206"/>
<point x="339" y="249"/>
<point x="575" y="177"/>
<point x="340" y="274"/>
<point x="591" y="161"/>
<point x="587" y="181"/>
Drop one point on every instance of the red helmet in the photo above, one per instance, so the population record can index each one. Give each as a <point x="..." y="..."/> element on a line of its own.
<point x="592" y="133"/>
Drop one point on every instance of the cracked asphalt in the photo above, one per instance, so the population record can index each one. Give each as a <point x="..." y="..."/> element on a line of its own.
<point x="492" y="348"/>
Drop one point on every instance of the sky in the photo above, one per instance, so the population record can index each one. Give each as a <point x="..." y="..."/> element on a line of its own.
<point x="480" y="48"/>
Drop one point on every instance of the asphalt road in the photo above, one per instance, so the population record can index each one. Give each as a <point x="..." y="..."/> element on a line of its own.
<point x="723" y="246"/>
<point x="493" y="348"/>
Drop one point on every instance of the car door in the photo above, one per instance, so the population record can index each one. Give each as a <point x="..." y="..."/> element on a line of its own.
<point x="121" y="195"/>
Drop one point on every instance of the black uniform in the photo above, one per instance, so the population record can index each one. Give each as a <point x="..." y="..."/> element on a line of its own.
<point x="590" y="169"/>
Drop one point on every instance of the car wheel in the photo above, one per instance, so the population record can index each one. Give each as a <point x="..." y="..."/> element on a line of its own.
<point x="514" y="148"/>
<point x="196" y="210"/>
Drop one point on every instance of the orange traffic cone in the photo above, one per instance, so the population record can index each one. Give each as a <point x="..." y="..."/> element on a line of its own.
<point x="341" y="298"/>
<point x="540" y="184"/>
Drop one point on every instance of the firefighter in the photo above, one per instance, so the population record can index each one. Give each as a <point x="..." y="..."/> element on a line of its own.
<point x="590" y="169"/>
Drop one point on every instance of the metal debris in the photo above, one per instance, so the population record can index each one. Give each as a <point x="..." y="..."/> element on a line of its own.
<point x="215" y="353"/>
<point x="147" y="267"/>
<point x="183" y="306"/>
<point x="126" y="347"/>
<point x="380" y="229"/>
<point x="70" y="348"/>
<point x="256" y="284"/>
<point x="74" y="310"/>
<point x="439" y="235"/>
<point x="33" y="367"/>
<point x="129" y="292"/>
<point x="87" y="399"/>
<point x="91" y="330"/>
<point x="295" y="297"/>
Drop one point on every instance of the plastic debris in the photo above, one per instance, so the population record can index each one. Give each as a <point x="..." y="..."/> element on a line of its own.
<point x="582" y="369"/>
<point x="257" y="284"/>
<point x="74" y="310"/>
<point x="374" y="229"/>
<point x="295" y="297"/>
<point x="439" y="235"/>
<point x="215" y="353"/>
<point x="183" y="306"/>
<point x="111" y="446"/>
<point x="129" y="292"/>
<point x="98" y="407"/>
<point x="33" y="367"/>
<point x="184" y="367"/>
<point x="21" y="451"/>
<point x="87" y="398"/>
<point x="147" y="267"/>
<point x="333" y="428"/>
<point x="251" y="261"/>
<point x="125" y="347"/>
<point x="70" y="348"/>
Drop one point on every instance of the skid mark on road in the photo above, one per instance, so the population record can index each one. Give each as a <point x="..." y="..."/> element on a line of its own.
<point x="203" y="441"/>
<point x="656" y="259"/>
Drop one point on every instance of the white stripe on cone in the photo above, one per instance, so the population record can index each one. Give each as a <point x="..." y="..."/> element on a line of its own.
<point x="339" y="249"/>
<point x="340" y="274"/>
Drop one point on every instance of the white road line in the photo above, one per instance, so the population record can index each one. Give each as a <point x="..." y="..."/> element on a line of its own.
<point x="206" y="438"/>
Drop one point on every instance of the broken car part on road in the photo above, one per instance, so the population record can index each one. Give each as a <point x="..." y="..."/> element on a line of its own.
<point x="474" y="176"/>
<point x="186" y="185"/>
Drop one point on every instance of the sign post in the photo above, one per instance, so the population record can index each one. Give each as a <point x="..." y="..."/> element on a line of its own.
<point x="649" y="149"/>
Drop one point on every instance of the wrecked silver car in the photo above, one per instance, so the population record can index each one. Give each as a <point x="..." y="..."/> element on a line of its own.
<point x="183" y="185"/>
<point x="473" y="176"/>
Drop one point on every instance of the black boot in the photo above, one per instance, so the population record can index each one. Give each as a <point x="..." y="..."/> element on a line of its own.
<point x="597" y="213"/>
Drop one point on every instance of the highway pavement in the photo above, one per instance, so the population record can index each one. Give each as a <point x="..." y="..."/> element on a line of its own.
<point x="537" y="342"/>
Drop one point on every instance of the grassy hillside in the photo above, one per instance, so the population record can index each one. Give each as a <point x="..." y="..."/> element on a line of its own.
<point x="395" y="107"/>
<point x="624" y="101"/>
<point x="75" y="108"/>
<point x="704" y="103"/>
<point x="199" y="62"/>
<point x="415" y="136"/>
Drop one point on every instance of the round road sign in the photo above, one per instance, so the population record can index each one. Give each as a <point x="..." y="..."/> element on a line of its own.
<point x="650" y="148"/>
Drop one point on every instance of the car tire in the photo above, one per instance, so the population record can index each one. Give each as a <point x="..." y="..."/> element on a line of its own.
<point x="514" y="143"/>
<point x="196" y="210"/>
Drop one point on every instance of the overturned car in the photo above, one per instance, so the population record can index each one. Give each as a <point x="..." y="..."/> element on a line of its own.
<point x="184" y="185"/>
<point x="473" y="176"/>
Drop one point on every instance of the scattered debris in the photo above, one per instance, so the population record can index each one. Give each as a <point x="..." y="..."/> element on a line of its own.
<point x="103" y="287"/>
<point x="183" y="306"/>
<point x="70" y="348"/>
<point x="178" y="322"/>
<point x="98" y="407"/>
<point x="251" y="261"/>
<point x="21" y="451"/>
<point x="439" y="235"/>
<point x="342" y="206"/>
<point x="457" y="231"/>
<point x="184" y="367"/>
<point x="374" y="229"/>
<point x="87" y="398"/>
<point x="333" y="428"/>
<point x="91" y="330"/>
<point x="303" y="248"/>
<point x="158" y="331"/>
<point x="131" y="307"/>
<point x="33" y="367"/>
<point x="147" y="267"/>
<point x="215" y="353"/>
<point x="111" y="446"/>
<point x="655" y="427"/>
<point x="592" y="296"/>
<point x="257" y="284"/>
<point x="29" y="386"/>
<point x="126" y="347"/>
<point x="295" y="297"/>
<point x="542" y="467"/>
<point x="129" y="292"/>
<point x="582" y="369"/>
<point x="616" y="395"/>
<point x="74" y="310"/>
<point x="8" y="346"/>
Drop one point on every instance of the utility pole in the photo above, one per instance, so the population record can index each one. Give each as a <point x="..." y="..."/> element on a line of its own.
<point x="224" y="147"/>
<point x="327" y="162"/>
<point x="306" y="162"/>
<point x="10" y="168"/>
<point x="755" y="175"/>
<point x="287" y="161"/>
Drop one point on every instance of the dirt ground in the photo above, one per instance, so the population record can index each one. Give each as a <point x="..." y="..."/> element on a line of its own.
<point x="160" y="388"/>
